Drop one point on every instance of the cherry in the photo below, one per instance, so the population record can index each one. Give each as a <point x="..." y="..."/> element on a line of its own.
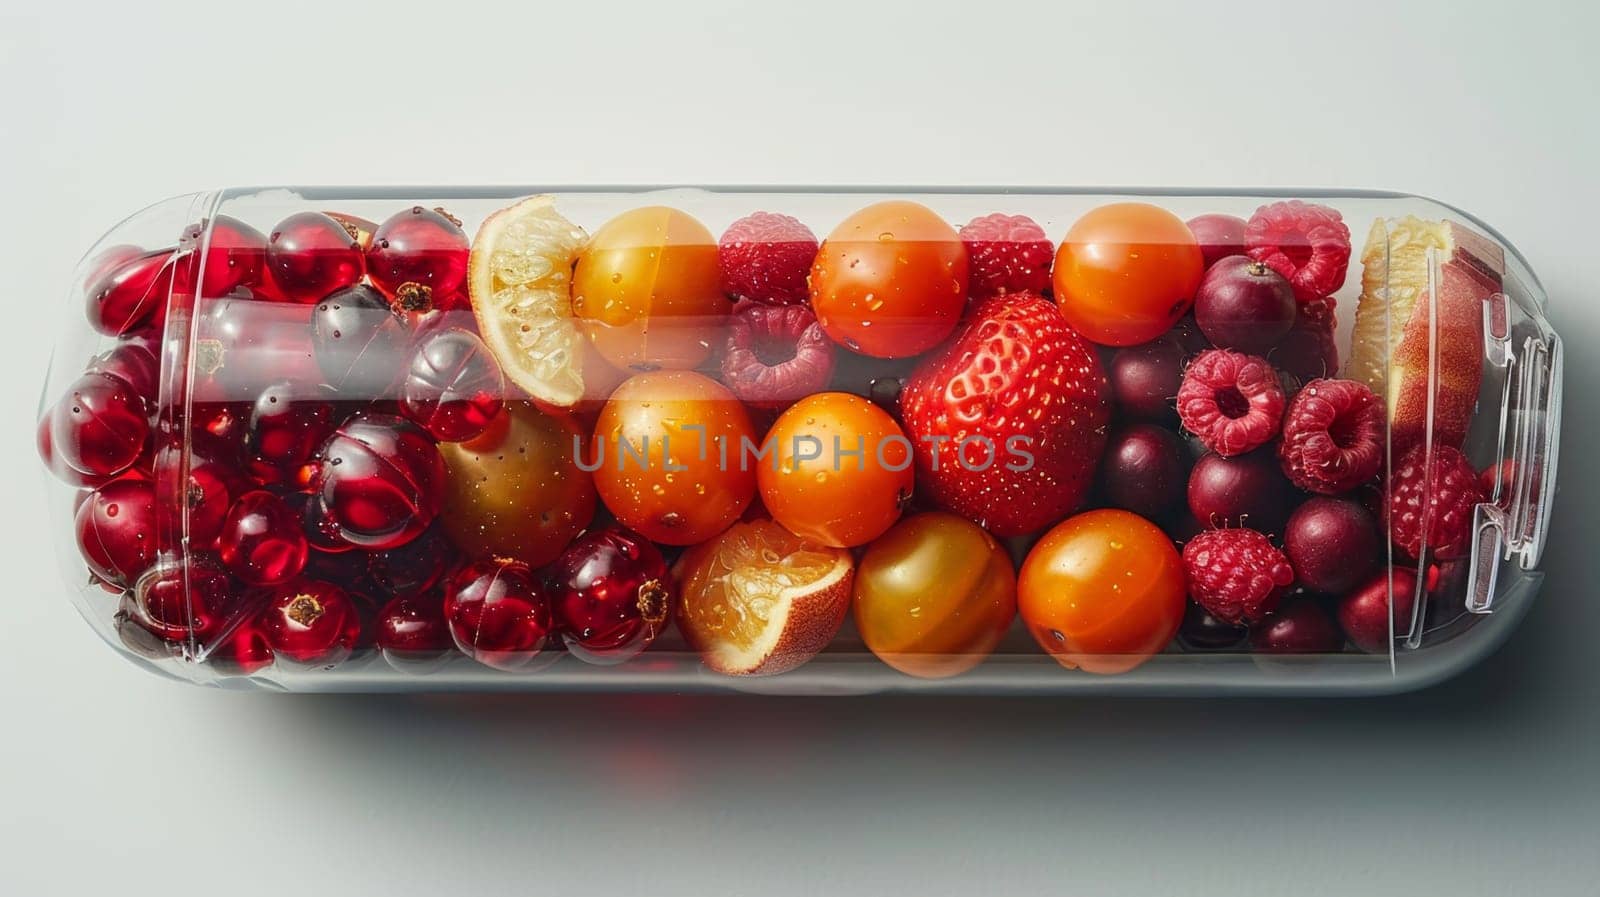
<point x="412" y="632"/>
<point x="1144" y="470"/>
<point x="1219" y="236"/>
<point x="418" y="259"/>
<point x="242" y="652"/>
<point x="499" y="613"/>
<point x="1332" y="544"/>
<point x="178" y="600"/>
<point x="454" y="387"/>
<point x="134" y="362"/>
<point x="244" y="344"/>
<point x="1245" y="490"/>
<point x="1145" y="379"/>
<point x="414" y="567"/>
<point x="311" y="622"/>
<point x="129" y="291"/>
<point x="261" y="541"/>
<point x="381" y="480"/>
<point x="284" y="432"/>
<point x="612" y="595"/>
<point x="357" y="341"/>
<point x="235" y="255"/>
<point x="116" y="529"/>
<point x="1243" y="304"/>
<point x="99" y="428"/>
<point x="1365" y="611"/>
<point x="1298" y="626"/>
<point x="1200" y="631"/>
<point x="310" y="255"/>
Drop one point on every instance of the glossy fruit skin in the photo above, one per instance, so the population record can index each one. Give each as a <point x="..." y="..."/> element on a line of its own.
<point x="648" y="292"/>
<point x="1364" y="612"/>
<point x="840" y="472"/>
<point x="235" y="255"/>
<point x="213" y="484"/>
<point x="1145" y="470"/>
<point x="261" y="541"/>
<point x="310" y="623"/>
<point x="116" y="530"/>
<point x="890" y="281"/>
<point x="310" y="255"/>
<point x="453" y="387"/>
<point x="177" y="600"/>
<point x="360" y="345"/>
<point x="1219" y="236"/>
<point x="425" y="249"/>
<point x="611" y="595"/>
<point x="412" y="632"/>
<point x="1298" y="626"/>
<point x="498" y="612"/>
<point x="682" y="425"/>
<point x="284" y="432"/>
<point x="414" y="567"/>
<point x="244" y="343"/>
<point x="1200" y="631"/>
<point x="1332" y="543"/>
<point x="242" y="652"/>
<point x="99" y="428"/>
<point x="1243" y="304"/>
<point x="1245" y="490"/>
<point x="381" y="481"/>
<point x="1145" y="379"/>
<point x="517" y="490"/>
<point x="934" y="595"/>
<point x="1102" y="591"/>
<point x="1126" y="273"/>
<point x="135" y="362"/>
<point x="129" y="291"/>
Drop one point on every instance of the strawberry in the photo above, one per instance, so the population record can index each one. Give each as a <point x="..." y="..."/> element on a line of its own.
<point x="1009" y="419"/>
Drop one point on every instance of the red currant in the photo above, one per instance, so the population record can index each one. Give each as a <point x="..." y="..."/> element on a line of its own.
<point x="314" y="523"/>
<point x="242" y="652"/>
<point x="99" y="428"/>
<point x="129" y="293"/>
<point x="612" y="595"/>
<point x="357" y="341"/>
<point x="414" y="567"/>
<point x="381" y="480"/>
<point x="311" y="622"/>
<point x="177" y="600"/>
<point x="498" y="612"/>
<point x="44" y="441"/>
<point x="235" y="255"/>
<point x="207" y="496"/>
<point x="454" y="387"/>
<point x="284" y="432"/>
<point x="134" y="362"/>
<point x="261" y="541"/>
<point x="243" y="344"/>
<point x="412" y="632"/>
<point x="418" y="258"/>
<point x="116" y="528"/>
<point x="310" y="255"/>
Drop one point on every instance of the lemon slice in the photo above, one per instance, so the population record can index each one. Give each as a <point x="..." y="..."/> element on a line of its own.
<point x="520" y="278"/>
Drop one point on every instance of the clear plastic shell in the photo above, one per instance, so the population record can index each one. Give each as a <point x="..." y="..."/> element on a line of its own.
<point x="979" y="440"/>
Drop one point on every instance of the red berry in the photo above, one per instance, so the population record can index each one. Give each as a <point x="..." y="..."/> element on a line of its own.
<point x="776" y="355"/>
<point x="1247" y="490"/>
<point x="129" y="292"/>
<point x="1145" y="379"/>
<point x="358" y="342"/>
<point x="1006" y="254"/>
<point x="234" y="254"/>
<point x="1236" y="574"/>
<point x="1307" y="243"/>
<point x="178" y="600"/>
<point x="612" y="595"/>
<point x="311" y="622"/>
<point x="1202" y="631"/>
<point x="1309" y="350"/>
<point x="284" y="432"/>
<point x="134" y="362"/>
<point x="414" y="567"/>
<point x="262" y="542"/>
<point x="1366" y="612"/>
<point x="499" y="613"/>
<point x="116" y="529"/>
<point x="1431" y="502"/>
<point x="99" y="428"/>
<point x="418" y="259"/>
<point x="1008" y="421"/>
<point x="213" y="482"/>
<point x="1333" y="436"/>
<point x="1219" y="236"/>
<point x="1299" y="626"/>
<point x="1233" y="402"/>
<point x="242" y="652"/>
<point x="1332" y="543"/>
<point x="412" y="632"/>
<point x="310" y="255"/>
<point x="1243" y="304"/>
<point x="1145" y="470"/>
<point x="454" y="386"/>
<point x="765" y="257"/>
<point x="381" y="481"/>
<point x="243" y="344"/>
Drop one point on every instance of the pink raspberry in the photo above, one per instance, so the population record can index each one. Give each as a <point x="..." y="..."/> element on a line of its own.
<point x="1431" y="502"/>
<point x="1307" y="243"/>
<point x="1332" y="436"/>
<point x="1007" y="254"/>
<point x="1232" y="401"/>
<point x="1236" y="574"/>
<point x="775" y="355"/>
<point x="765" y="257"/>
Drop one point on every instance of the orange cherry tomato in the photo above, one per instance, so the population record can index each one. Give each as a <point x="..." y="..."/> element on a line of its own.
<point x="838" y="470"/>
<point x="890" y="281"/>
<point x="647" y="290"/>
<point x="1126" y="273"/>
<point x="1103" y="591"/>
<point x="666" y="456"/>
<point x="934" y="595"/>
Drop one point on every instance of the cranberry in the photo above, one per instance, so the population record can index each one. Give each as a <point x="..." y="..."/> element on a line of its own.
<point x="453" y="388"/>
<point x="414" y="567"/>
<point x="1245" y="490"/>
<point x="235" y="254"/>
<point x="1243" y="304"/>
<point x="1298" y="626"/>
<point x="1144" y="470"/>
<point x="311" y="622"/>
<point x="418" y="258"/>
<point x="134" y="362"/>
<point x="412" y="632"/>
<point x="357" y="342"/>
<point x="381" y="481"/>
<point x="1365" y="611"/>
<point x="178" y="600"/>
<point x="612" y="595"/>
<point x="99" y="428"/>
<point x="319" y="533"/>
<point x="261" y="541"/>
<point x="44" y="442"/>
<point x="1219" y="236"/>
<point x="1200" y="631"/>
<point x="116" y="529"/>
<point x="205" y="498"/>
<point x="242" y="652"/>
<point x="1332" y="543"/>
<point x="284" y="432"/>
<point x="310" y="255"/>
<point x="129" y="293"/>
<point x="1145" y="379"/>
<point x="244" y="344"/>
<point x="498" y="612"/>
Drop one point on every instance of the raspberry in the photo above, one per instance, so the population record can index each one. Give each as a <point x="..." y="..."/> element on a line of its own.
<point x="1307" y="243"/>
<point x="1236" y="574"/>
<point x="1232" y="401"/>
<point x="1332" y="436"/>
<point x="1309" y="351"/>
<point x="765" y="257"/>
<point x="1431" y="502"/>
<point x="1007" y="254"/>
<point x="775" y="354"/>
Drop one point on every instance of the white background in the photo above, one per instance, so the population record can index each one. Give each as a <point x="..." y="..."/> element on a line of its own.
<point x="112" y="781"/>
